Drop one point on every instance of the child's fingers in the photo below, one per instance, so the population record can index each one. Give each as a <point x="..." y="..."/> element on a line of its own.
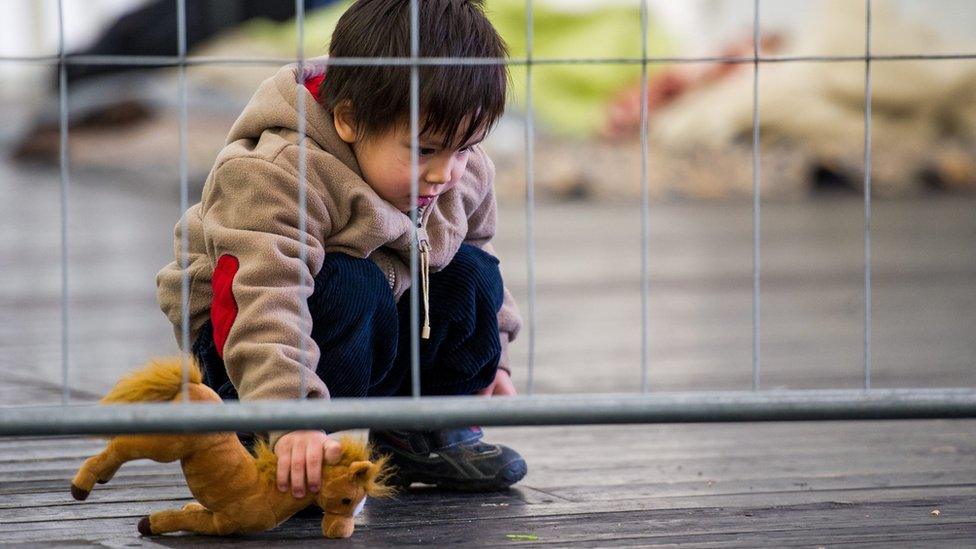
<point x="506" y="387"/>
<point x="298" y="470"/>
<point x="333" y="451"/>
<point x="313" y="466"/>
<point x="487" y="391"/>
<point x="283" y="449"/>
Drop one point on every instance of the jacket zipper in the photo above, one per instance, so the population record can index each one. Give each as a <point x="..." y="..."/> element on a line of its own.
<point x="391" y="270"/>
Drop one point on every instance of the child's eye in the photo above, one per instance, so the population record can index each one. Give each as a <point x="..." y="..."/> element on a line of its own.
<point x="426" y="151"/>
<point x="463" y="150"/>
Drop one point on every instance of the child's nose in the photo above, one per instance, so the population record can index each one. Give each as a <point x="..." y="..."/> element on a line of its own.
<point x="439" y="172"/>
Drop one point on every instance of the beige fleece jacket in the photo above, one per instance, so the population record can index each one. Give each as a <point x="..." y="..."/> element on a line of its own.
<point x="249" y="209"/>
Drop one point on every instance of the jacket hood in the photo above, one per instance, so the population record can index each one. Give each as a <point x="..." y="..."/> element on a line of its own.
<point x="275" y="105"/>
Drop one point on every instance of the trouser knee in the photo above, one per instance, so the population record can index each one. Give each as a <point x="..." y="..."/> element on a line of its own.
<point x="354" y="323"/>
<point x="349" y="288"/>
<point x="472" y="281"/>
<point x="463" y="350"/>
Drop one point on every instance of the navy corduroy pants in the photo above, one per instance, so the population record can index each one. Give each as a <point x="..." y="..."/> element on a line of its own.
<point x="363" y="335"/>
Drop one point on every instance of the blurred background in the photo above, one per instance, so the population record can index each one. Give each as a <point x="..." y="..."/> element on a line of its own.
<point x="124" y="187"/>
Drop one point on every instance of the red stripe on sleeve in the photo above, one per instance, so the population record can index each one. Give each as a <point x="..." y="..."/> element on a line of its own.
<point x="223" y="308"/>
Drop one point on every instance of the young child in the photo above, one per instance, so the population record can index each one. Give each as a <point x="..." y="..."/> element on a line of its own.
<point x="248" y="316"/>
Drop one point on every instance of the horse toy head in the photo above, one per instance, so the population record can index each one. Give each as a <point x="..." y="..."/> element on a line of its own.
<point x="235" y="490"/>
<point x="344" y="485"/>
<point x="344" y="497"/>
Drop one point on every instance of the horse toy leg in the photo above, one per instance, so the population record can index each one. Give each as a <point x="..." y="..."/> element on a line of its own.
<point x="193" y="517"/>
<point x="102" y="467"/>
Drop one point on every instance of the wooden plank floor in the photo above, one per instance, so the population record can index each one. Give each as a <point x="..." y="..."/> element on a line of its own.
<point x="778" y="484"/>
<point x="806" y="484"/>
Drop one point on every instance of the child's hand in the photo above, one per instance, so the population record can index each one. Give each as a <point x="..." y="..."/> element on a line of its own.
<point x="300" y="455"/>
<point x="502" y="386"/>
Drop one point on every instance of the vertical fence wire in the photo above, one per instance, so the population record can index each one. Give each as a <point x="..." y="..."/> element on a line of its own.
<point x="756" y="179"/>
<point x="414" y="190"/>
<point x="867" y="195"/>
<point x="645" y="210"/>
<point x="63" y="161"/>
<point x="530" y="191"/>
<point x="302" y="202"/>
<point x="184" y="200"/>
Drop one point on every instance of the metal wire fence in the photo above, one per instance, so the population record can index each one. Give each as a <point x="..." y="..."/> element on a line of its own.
<point x="532" y="409"/>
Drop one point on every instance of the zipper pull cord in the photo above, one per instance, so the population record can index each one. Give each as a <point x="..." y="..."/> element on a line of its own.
<point x="424" y="273"/>
<point x="425" y="282"/>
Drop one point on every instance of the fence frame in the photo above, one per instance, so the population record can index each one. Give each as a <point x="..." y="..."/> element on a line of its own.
<point x="434" y="412"/>
<point x="442" y="412"/>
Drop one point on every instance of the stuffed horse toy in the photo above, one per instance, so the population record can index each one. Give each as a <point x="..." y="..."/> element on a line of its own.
<point x="235" y="490"/>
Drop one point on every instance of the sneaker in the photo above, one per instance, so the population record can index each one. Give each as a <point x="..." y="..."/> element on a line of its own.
<point x="454" y="459"/>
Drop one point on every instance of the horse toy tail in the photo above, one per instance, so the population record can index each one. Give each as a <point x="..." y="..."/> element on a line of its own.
<point x="235" y="490"/>
<point x="159" y="381"/>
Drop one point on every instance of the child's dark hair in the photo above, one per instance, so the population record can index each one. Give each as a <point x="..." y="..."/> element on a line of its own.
<point x="450" y="95"/>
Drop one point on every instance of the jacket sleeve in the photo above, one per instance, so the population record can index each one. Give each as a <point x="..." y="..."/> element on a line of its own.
<point x="481" y="229"/>
<point x="169" y="280"/>
<point x="251" y="213"/>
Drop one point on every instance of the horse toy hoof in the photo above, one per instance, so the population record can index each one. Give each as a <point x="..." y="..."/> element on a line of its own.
<point x="225" y="477"/>
<point x="79" y="493"/>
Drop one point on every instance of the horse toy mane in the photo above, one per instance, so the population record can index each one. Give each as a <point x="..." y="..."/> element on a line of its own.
<point x="235" y="490"/>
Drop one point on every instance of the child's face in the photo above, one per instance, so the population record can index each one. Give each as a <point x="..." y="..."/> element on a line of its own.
<point x="385" y="162"/>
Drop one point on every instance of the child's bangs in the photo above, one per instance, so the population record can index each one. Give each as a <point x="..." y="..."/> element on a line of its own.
<point x="460" y="103"/>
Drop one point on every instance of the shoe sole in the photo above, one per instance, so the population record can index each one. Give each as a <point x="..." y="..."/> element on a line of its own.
<point x="507" y="476"/>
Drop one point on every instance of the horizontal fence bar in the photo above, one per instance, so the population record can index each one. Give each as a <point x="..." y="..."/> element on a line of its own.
<point x="441" y="412"/>
<point x="172" y="61"/>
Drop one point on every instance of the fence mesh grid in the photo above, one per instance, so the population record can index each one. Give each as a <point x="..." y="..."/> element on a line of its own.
<point x="520" y="410"/>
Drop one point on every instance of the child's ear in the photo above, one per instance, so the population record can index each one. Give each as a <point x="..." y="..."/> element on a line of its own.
<point x="342" y="116"/>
